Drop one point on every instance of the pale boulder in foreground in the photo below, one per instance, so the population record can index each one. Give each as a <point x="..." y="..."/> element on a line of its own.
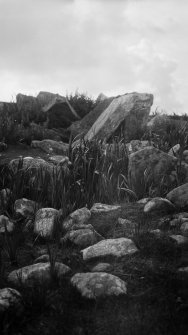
<point x="128" y="107"/>
<point x="111" y="247"/>
<point x="98" y="284"/>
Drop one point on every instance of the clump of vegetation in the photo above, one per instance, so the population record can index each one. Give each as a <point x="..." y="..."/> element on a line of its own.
<point x="81" y="103"/>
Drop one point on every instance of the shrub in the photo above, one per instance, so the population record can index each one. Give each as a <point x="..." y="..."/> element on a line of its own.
<point x="81" y="102"/>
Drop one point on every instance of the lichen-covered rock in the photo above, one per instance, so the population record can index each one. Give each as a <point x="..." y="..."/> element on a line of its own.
<point x="159" y="204"/>
<point x="112" y="247"/>
<point x="151" y="166"/>
<point x="59" y="160"/>
<point x="25" y="207"/>
<point x="45" y="222"/>
<point x="79" y="217"/>
<point x="51" y="146"/>
<point x="179" y="196"/>
<point x="82" y="238"/>
<point x="128" y="109"/>
<point x="98" y="284"/>
<point x="4" y="220"/>
<point x="37" y="274"/>
<point x="10" y="301"/>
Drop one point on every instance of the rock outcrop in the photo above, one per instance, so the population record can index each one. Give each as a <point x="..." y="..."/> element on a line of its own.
<point x="127" y="109"/>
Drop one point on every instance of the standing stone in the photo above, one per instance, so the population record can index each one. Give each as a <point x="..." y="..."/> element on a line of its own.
<point x="128" y="108"/>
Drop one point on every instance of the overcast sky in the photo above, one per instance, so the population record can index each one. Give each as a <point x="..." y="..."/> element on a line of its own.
<point x="109" y="46"/>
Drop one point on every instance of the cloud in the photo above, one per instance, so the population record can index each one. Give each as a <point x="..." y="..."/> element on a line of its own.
<point x="114" y="46"/>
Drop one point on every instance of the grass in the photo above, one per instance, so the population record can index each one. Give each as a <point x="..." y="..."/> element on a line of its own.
<point x="99" y="174"/>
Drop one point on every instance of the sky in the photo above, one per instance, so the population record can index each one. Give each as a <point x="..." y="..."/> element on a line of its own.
<point x="94" y="46"/>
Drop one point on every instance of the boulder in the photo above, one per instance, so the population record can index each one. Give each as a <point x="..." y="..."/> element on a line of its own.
<point x="46" y="222"/>
<point x="98" y="284"/>
<point x="10" y="302"/>
<point x="181" y="241"/>
<point x="59" y="160"/>
<point x="28" y="107"/>
<point x="129" y="109"/>
<point x="159" y="205"/>
<point x="25" y="207"/>
<point x="79" y="128"/>
<point x="112" y="247"/>
<point x="82" y="238"/>
<point x="179" y="196"/>
<point x="37" y="274"/>
<point x="9" y="115"/>
<point x="60" y="114"/>
<point x="150" y="166"/>
<point x="80" y="217"/>
<point x="51" y="146"/>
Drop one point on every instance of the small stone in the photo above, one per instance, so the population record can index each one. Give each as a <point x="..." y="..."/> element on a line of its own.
<point x="98" y="284"/>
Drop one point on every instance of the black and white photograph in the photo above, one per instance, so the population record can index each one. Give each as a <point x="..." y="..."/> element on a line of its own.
<point x="94" y="167"/>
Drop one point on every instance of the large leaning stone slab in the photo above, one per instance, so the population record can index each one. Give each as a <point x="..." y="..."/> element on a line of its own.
<point x="98" y="284"/>
<point x="112" y="247"/>
<point x="45" y="222"/>
<point x="125" y="108"/>
<point x="179" y="196"/>
<point x="37" y="274"/>
<point x="10" y="301"/>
